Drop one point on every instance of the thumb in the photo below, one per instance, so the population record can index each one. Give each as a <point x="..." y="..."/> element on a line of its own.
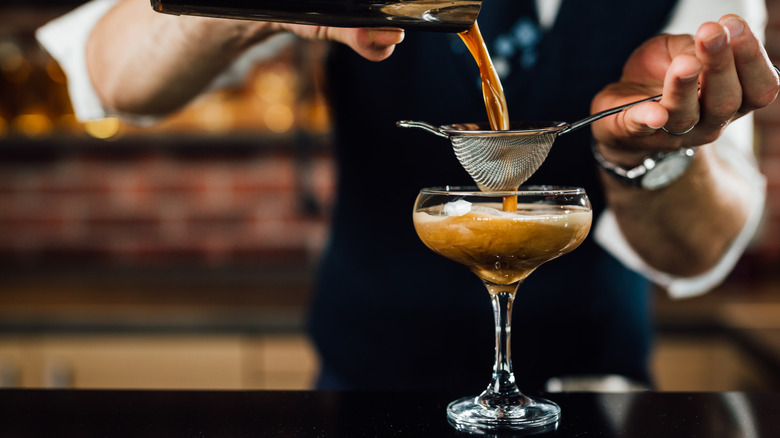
<point x="644" y="119"/>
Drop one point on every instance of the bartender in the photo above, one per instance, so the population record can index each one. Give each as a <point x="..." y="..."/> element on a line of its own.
<point x="387" y="313"/>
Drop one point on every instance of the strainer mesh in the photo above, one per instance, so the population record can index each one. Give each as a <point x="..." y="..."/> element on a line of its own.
<point x="501" y="162"/>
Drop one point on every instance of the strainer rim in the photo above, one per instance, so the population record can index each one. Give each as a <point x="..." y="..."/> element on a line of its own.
<point x="536" y="189"/>
<point x="452" y="130"/>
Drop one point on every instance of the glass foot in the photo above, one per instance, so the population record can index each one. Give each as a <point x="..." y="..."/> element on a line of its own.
<point x="535" y="416"/>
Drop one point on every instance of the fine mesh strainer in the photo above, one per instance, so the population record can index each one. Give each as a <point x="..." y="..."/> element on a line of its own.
<point x="502" y="160"/>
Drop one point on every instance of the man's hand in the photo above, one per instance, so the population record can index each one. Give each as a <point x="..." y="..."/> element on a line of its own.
<point x="707" y="81"/>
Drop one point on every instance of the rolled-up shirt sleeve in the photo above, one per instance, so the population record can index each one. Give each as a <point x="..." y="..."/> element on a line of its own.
<point x="65" y="39"/>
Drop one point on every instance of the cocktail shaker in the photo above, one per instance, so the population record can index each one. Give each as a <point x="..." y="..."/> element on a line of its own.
<point x="428" y="15"/>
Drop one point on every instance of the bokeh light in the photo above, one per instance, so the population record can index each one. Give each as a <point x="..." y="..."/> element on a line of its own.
<point x="102" y="128"/>
<point x="279" y="118"/>
<point x="275" y="86"/>
<point x="33" y="125"/>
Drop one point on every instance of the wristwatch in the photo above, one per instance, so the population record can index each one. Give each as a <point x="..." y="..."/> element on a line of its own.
<point x="655" y="172"/>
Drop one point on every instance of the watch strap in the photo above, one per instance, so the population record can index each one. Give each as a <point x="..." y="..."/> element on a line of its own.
<point x="631" y="177"/>
<point x="634" y="176"/>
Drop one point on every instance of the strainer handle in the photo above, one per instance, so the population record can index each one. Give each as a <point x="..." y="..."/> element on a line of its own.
<point x="588" y="120"/>
<point x="422" y="125"/>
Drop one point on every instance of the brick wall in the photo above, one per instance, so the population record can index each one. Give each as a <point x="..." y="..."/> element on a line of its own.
<point x="141" y="201"/>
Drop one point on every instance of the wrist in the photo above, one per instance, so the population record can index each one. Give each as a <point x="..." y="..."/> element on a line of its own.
<point x="621" y="157"/>
<point x="654" y="172"/>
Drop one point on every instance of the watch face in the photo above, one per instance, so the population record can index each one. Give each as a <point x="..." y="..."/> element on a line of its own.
<point x="666" y="170"/>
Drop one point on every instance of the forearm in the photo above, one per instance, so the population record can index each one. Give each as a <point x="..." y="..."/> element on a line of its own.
<point x="144" y="62"/>
<point x="685" y="228"/>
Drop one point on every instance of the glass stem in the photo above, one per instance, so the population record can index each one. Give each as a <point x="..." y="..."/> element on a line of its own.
<point x="502" y="391"/>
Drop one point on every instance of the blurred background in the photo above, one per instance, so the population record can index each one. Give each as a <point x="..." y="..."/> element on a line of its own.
<point x="181" y="255"/>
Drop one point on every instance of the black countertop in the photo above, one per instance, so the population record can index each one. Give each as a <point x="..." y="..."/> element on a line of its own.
<point x="235" y="414"/>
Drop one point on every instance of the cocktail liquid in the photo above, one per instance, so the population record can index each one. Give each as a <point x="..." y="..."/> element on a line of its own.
<point x="503" y="247"/>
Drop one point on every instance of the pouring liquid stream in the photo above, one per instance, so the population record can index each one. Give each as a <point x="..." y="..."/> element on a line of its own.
<point x="492" y="90"/>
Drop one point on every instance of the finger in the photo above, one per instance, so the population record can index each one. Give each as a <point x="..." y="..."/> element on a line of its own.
<point x="386" y="36"/>
<point x="756" y="74"/>
<point x="682" y="44"/>
<point x="648" y="65"/>
<point x="629" y="135"/>
<point x="374" y="44"/>
<point x="681" y="93"/>
<point x="643" y="119"/>
<point x="721" y="92"/>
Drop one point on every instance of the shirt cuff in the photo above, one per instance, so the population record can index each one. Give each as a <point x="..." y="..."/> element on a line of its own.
<point x="65" y="39"/>
<point x="608" y="235"/>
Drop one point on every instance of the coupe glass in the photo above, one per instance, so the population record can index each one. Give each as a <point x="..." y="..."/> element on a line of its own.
<point x="502" y="237"/>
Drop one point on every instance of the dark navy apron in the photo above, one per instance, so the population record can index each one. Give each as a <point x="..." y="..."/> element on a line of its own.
<point x="387" y="313"/>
